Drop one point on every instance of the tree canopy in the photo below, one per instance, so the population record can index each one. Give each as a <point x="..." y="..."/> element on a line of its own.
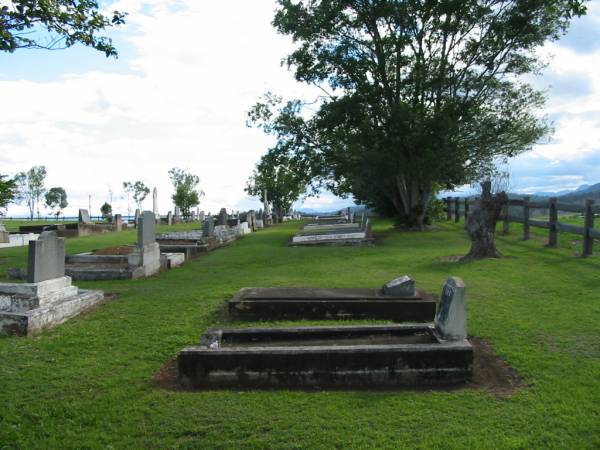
<point x="417" y="95"/>
<point x="281" y="177"/>
<point x="30" y="188"/>
<point x="139" y="191"/>
<point x="56" y="200"/>
<point x="56" y="24"/>
<point x="187" y="194"/>
<point x="8" y="191"/>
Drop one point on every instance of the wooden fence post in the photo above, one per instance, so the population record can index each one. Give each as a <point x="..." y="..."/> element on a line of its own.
<point x="505" y="226"/>
<point x="552" y="219"/>
<point x="588" y="241"/>
<point x="466" y="209"/>
<point x="526" y="226"/>
<point x="448" y="202"/>
<point x="456" y="209"/>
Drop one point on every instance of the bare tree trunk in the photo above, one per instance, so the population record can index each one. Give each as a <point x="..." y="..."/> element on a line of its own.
<point x="481" y="224"/>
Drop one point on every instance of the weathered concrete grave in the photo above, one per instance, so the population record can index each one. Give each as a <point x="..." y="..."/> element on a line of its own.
<point x="332" y="303"/>
<point x="4" y="235"/>
<point x="344" y="356"/>
<point x="335" y="234"/>
<point x="84" y="216"/>
<point x="140" y="261"/>
<point x="48" y="298"/>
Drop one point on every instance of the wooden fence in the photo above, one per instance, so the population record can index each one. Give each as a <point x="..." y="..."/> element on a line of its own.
<point x="589" y="233"/>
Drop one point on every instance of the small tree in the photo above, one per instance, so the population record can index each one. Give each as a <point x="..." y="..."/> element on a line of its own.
<point x="56" y="200"/>
<point x="30" y="188"/>
<point x="139" y="190"/>
<point x="8" y="191"/>
<point x="283" y="178"/>
<point x="106" y="211"/>
<point x="187" y="194"/>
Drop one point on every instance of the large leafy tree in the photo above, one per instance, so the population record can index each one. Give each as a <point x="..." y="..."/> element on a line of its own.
<point x="8" y="191"/>
<point x="417" y="94"/>
<point x="56" y="200"/>
<point x="30" y="188"/>
<point x="55" y="24"/>
<point x="187" y="194"/>
<point x="281" y="177"/>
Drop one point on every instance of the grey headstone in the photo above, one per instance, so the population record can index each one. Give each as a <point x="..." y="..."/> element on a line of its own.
<point x="403" y="286"/>
<point x="169" y="218"/>
<point x="136" y="218"/>
<point x="208" y="228"/>
<point x="451" y="315"/>
<point x="177" y="213"/>
<point x="201" y="216"/>
<point x="146" y="229"/>
<point x="117" y="221"/>
<point x="46" y="259"/>
<point x="223" y="216"/>
<point x="84" y="216"/>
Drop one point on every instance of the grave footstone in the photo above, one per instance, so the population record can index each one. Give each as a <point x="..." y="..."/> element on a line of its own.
<point x="403" y="286"/>
<point x="46" y="259"/>
<point x="451" y="316"/>
<point x="84" y="216"/>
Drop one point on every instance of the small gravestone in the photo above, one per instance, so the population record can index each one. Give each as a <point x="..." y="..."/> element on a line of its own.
<point x="403" y="286"/>
<point x="222" y="220"/>
<point x="451" y="315"/>
<point x="46" y="259"/>
<point x="84" y="216"/>
<point x="4" y="235"/>
<point x="146" y="229"/>
<point x="117" y="221"/>
<point x="177" y="217"/>
<point x="208" y="229"/>
<point x="169" y="218"/>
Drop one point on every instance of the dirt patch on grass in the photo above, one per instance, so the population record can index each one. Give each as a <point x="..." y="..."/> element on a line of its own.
<point x="123" y="250"/>
<point x="490" y="374"/>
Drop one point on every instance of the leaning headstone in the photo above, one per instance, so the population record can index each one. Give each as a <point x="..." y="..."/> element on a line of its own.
<point x="403" y="286"/>
<point x="4" y="235"/>
<point x="451" y="316"/>
<point x="222" y="220"/>
<point x="208" y="229"/>
<point x="84" y="216"/>
<point x="146" y="229"/>
<point x="46" y="259"/>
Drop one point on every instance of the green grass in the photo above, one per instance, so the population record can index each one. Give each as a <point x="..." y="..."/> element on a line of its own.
<point x="88" y="383"/>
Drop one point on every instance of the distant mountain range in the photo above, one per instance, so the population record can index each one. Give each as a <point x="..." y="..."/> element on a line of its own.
<point x="582" y="193"/>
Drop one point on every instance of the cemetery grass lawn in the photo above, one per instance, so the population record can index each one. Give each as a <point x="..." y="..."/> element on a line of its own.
<point x="89" y="383"/>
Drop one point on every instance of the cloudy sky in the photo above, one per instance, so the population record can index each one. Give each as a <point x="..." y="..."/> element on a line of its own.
<point x="177" y="96"/>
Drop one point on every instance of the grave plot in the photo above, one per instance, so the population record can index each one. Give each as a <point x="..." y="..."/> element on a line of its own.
<point x="346" y="356"/>
<point x="398" y="300"/>
<point x="48" y="298"/>
<point x="338" y="233"/>
<point x="84" y="227"/>
<point x="141" y="260"/>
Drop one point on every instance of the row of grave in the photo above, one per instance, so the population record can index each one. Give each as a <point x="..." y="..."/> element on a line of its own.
<point x="48" y="298"/>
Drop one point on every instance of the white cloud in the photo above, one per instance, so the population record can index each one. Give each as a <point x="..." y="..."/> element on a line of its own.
<point x="197" y="69"/>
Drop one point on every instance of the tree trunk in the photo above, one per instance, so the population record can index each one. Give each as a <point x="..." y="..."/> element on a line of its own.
<point x="481" y="224"/>
<point x="412" y="197"/>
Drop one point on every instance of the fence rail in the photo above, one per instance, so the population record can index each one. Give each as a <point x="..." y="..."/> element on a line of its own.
<point x="452" y="207"/>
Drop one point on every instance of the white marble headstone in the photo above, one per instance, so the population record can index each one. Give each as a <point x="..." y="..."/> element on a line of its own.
<point x="451" y="315"/>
